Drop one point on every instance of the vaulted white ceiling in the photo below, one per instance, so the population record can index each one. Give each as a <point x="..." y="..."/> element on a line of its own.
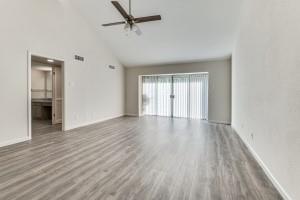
<point x="190" y="30"/>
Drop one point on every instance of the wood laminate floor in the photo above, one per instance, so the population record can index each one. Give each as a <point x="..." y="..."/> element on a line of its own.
<point x="42" y="127"/>
<point x="134" y="158"/>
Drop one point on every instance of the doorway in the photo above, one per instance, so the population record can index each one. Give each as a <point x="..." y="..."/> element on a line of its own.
<point x="178" y="95"/>
<point x="46" y="96"/>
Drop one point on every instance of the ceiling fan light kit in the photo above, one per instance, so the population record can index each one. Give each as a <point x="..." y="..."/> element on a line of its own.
<point x="130" y="21"/>
<point x="127" y="27"/>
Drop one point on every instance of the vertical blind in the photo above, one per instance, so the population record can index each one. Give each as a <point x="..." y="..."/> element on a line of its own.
<point x="198" y="96"/>
<point x="150" y="95"/>
<point x="181" y="96"/>
<point x="176" y="96"/>
<point x="164" y="84"/>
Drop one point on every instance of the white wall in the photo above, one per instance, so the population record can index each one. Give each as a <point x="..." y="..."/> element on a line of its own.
<point x="219" y="108"/>
<point x="53" y="28"/>
<point x="266" y="87"/>
<point x="38" y="78"/>
<point x="41" y="81"/>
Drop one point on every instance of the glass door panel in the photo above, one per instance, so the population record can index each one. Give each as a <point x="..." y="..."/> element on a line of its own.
<point x="164" y="90"/>
<point x="181" y="96"/>
<point x="149" y="95"/>
<point x="198" y="96"/>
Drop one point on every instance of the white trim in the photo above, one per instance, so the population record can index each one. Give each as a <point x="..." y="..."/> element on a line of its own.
<point x="219" y="122"/>
<point x="140" y="96"/>
<point x="267" y="171"/>
<point x="94" y="122"/>
<point x="29" y="135"/>
<point x="10" y="142"/>
<point x="131" y="115"/>
<point x="64" y="85"/>
<point x="174" y="74"/>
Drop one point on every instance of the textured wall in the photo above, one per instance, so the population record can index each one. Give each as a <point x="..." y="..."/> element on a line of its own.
<point x="266" y="89"/>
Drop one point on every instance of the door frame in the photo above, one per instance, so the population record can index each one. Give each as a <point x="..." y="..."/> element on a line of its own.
<point x="29" y="114"/>
<point x="54" y="99"/>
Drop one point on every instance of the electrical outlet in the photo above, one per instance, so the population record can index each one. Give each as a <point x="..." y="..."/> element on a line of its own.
<point x="252" y="136"/>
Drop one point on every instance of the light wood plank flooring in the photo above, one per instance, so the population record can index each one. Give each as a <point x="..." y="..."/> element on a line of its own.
<point x="134" y="158"/>
<point x="41" y="127"/>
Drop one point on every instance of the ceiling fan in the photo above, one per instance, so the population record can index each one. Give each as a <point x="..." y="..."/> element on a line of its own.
<point x="130" y="21"/>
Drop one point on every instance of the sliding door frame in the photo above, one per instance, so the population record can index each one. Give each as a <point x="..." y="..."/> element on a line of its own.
<point x="140" y="92"/>
<point x="172" y="97"/>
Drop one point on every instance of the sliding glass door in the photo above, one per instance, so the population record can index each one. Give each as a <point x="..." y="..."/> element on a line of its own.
<point x="150" y="95"/>
<point x="198" y="100"/>
<point x="183" y="96"/>
<point x="164" y="89"/>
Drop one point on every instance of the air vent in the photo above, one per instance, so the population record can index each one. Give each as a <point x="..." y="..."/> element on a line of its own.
<point x="79" y="58"/>
<point x="112" y="67"/>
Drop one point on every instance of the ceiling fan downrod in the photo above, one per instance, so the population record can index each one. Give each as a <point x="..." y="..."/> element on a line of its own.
<point x="130" y="7"/>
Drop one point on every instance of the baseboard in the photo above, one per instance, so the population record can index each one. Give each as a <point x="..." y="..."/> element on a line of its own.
<point x="93" y="122"/>
<point x="269" y="174"/>
<point x="219" y="122"/>
<point x="11" y="142"/>
<point x="131" y="115"/>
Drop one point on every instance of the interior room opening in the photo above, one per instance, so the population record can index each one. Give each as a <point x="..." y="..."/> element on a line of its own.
<point x="175" y="95"/>
<point x="46" y="96"/>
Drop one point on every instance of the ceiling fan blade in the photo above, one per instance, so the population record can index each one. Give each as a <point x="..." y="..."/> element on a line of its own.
<point x="112" y="24"/>
<point x="147" y="19"/>
<point x="121" y="9"/>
